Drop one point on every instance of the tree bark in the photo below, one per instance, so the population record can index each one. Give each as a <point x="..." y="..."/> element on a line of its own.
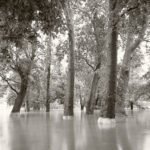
<point x="82" y="102"/>
<point x="91" y="102"/>
<point x="125" y="68"/>
<point x="27" y="105"/>
<point x="48" y="74"/>
<point x="110" y="67"/>
<point x="21" y="94"/>
<point x="38" y="96"/>
<point x="24" y="71"/>
<point x="124" y="78"/>
<point x="68" y="104"/>
<point x="47" y="90"/>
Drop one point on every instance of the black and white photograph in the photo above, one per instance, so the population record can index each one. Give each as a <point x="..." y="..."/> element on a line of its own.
<point x="74" y="74"/>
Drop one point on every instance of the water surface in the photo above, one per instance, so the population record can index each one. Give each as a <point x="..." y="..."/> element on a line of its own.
<point x="40" y="131"/>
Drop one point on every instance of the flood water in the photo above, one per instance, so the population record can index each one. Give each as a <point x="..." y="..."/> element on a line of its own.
<point x="40" y="131"/>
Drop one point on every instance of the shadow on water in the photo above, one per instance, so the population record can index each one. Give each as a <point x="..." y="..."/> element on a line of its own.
<point x="41" y="131"/>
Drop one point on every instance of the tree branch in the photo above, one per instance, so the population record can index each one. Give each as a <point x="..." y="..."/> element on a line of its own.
<point x="140" y="37"/>
<point x="86" y="13"/>
<point x="87" y="62"/>
<point x="128" y="10"/>
<point x="8" y="83"/>
<point x="145" y="40"/>
<point x="124" y="11"/>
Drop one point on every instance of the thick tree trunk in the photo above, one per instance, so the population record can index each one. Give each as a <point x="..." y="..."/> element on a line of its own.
<point x="110" y="68"/>
<point x="21" y="95"/>
<point x="27" y="105"/>
<point x="111" y="99"/>
<point x="68" y="104"/>
<point x="91" y="102"/>
<point x="23" y="69"/>
<point x="124" y="79"/>
<point x="125" y="69"/>
<point x="82" y="102"/>
<point x="36" y="103"/>
<point x="122" y="90"/>
<point x="47" y="90"/>
<point x="38" y="97"/>
<point x="48" y="73"/>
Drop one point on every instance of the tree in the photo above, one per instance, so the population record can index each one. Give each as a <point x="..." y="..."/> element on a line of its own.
<point x="134" y="23"/>
<point x="91" y="14"/>
<point x="18" y="61"/>
<point x="110" y="66"/>
<point x="49" y="46"/>
<point x="68" y="105"/>
<point x="98" y="26"/>
<point x="21" y="18"/>
<point x="23" y="69"/>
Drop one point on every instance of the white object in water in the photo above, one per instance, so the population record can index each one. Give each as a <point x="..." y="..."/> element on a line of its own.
<point x="67" y="117"/>
<point x="106" y="122"/>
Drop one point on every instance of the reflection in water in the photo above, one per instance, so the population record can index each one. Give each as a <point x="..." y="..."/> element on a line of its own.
<point x="17" y="137"/>
<point x="123" y="141"/>
<point x="41" y="131"/>
<point x="146" y="144"/>
<point x="136" y="128"/>
<point x="68" y="142"/>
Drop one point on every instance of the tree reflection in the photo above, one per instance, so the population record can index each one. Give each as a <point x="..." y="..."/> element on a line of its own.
<point x="17" y="134"/>
<point x="40" y="131"/>
<point x="123" y="141"/>
<point x="68" y="135"/>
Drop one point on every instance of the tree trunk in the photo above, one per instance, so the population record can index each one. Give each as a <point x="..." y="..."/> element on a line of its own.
<point x="110" y="68"/>
<point x="125" y="69"/>
<point x="124" y="78"/>
<point x="38" y="96"/>
<point x="36" y="103"/>
<point x="91" y="102"/>
<point x="47" y="90"/>
<point x="48" y="73"/>
<point x="27" y="105"/>
<point x="21" y="95"/>
<point x="81" y="99"/>
<point x="68" y="104"/>
<point x="23" y="69"/>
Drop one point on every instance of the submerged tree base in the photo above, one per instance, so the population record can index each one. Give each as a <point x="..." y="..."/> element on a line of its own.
<point x="67" y="117"/>
<point x="89" y="112"/>
<point x="121" y="114"/>
<point x="106" y="122"/>
<point x="120" y="109"/>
